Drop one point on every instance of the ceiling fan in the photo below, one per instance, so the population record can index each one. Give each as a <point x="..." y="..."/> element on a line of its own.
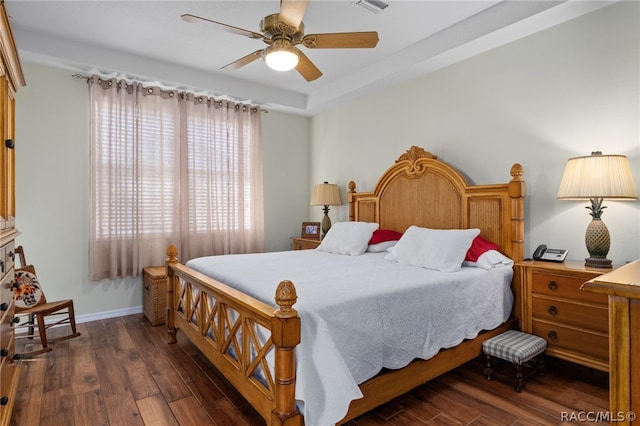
<point x="282" y="32"/>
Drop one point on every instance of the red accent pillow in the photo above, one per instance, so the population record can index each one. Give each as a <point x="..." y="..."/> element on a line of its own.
<point x="383" y="235"/>
<point x="478" y="247"/>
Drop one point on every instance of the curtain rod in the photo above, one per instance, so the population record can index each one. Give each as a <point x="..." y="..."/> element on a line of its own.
<point x="79" y="76"/>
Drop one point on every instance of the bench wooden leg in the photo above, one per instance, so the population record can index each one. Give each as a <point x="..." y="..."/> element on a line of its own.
<point x="519" y="377"/>
<point x="541" y="365"/>
<point x="488" y="369"/>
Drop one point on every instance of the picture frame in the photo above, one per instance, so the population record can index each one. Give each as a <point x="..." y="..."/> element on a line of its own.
<point x="311" y="230"/>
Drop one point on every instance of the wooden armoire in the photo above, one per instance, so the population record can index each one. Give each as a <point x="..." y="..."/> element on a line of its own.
<point x="11" y="78"/>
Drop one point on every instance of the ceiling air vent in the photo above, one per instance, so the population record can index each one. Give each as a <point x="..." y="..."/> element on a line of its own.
<point x="375" y="6"/>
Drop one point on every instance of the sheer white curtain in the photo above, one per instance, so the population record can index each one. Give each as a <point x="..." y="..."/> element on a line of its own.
<point x="223" y="192"/>
<point x="170" y="167"/>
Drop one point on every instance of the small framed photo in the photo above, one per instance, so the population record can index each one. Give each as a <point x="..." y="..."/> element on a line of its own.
<point x="311" y="230"/>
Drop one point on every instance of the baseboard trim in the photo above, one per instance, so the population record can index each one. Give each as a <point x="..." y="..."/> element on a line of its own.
<point x="109" y="314"/>
<point x="80" y="318"/>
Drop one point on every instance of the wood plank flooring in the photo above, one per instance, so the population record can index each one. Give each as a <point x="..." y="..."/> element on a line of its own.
<point x="121" y="371"/>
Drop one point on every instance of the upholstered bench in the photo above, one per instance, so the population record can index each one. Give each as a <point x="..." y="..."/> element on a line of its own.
<point x="519" y="349"/>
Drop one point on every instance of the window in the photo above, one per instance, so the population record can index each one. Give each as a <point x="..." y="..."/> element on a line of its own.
<point x="169" y="167"/>
<point x="132" y="178"/>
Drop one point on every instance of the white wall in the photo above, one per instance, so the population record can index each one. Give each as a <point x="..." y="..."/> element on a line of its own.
<point x="286" y="177"/>
<point x="538" y="101"/>
<point x="52" y="189"/>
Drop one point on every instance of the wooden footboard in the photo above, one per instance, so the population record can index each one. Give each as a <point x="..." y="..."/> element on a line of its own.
<point x="239" y="335"/>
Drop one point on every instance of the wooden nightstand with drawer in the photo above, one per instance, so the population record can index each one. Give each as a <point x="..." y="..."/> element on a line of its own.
<point x="575" y="323"/>
<point x="298" y="243"/>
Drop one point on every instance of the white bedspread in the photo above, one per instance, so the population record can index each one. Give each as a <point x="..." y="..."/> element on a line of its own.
<point x="362" y="313"/>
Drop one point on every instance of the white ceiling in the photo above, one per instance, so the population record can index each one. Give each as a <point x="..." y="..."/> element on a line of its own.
<point x="147" y="40"/>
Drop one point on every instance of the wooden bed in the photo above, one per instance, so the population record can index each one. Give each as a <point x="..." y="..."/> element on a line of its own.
<point x="417" y="190"/>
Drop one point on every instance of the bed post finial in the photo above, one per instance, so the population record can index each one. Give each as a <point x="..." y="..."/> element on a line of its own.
<point x="286" y="297"/>
<point x="517" y="185"/>
<point x="517" y="171"/>
<point x="172" y="253"/>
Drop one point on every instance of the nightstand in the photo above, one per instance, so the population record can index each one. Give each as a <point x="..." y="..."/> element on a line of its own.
<point x="154" y="294"/>
<point x="304" y="243"/>
<point x="575" y="323"/>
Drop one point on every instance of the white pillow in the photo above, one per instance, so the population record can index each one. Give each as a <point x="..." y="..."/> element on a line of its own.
<point x="350" y="238"/>
<point x="490" y="259"/>
<point x="439" y="249"/>
<point x="380" y="247"/>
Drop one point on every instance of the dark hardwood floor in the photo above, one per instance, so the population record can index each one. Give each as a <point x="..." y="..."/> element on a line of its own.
<point x="121" y="371"/>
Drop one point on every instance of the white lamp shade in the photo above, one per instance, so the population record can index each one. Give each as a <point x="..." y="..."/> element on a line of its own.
<point x="597" y="176"/>
<point x="326" y="194"/>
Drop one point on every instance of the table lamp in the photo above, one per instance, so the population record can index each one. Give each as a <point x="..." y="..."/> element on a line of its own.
<point x="325" y="194"/>
<point x="596" y="177"/>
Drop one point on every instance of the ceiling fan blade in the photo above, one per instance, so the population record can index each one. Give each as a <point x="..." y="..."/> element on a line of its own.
<point x="245" y="60"/>
<point x="306" y="68"/>
<point x="292" y="11"/>
<point x="364" y="39"/>
<point x="224" y="27"/>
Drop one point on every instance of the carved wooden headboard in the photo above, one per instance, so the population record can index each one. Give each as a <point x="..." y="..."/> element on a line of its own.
<point x="421" y="190"/>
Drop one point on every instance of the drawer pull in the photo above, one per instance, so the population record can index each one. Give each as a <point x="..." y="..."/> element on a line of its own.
<point x="552" y="310"/>
<point x="553" y="286"/>
<point x="4" y="307"/>
<point x="12" y="255"/>
<point x="4" y="352"/>
<point x="552" y="335"/>
<point x="15" y="320"/>
<point x="4" y="400"/>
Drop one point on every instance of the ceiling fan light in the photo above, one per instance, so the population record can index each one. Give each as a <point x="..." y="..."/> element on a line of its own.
<point x="281" y="59"/>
